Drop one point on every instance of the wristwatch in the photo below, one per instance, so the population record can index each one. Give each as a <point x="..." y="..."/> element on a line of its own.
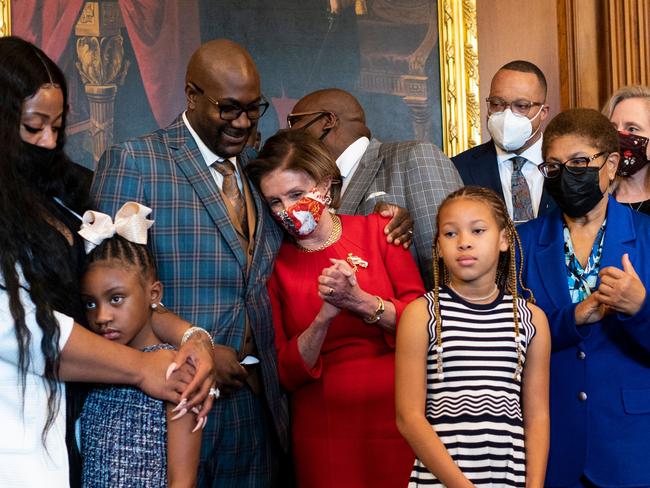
<point x="378" y="313"/>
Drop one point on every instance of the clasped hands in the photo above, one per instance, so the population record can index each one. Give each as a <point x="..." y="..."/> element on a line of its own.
<point x="339" y="289"/>
<point x="620" y="290"/>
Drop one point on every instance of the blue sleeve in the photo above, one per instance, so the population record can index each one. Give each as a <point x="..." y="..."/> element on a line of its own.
<point x="564" y="331"/>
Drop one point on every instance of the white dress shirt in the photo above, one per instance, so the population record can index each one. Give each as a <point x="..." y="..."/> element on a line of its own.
<point x="209" y="158"/>
<point x="349" y="159"/>
<point x="531" y="173"/>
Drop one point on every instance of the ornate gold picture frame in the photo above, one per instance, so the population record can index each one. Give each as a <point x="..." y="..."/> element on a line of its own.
<point x="5" y="17"/>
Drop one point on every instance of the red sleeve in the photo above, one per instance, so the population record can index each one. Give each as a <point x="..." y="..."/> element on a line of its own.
<point x="292" y="370"/>
<point x="402" y="271"/>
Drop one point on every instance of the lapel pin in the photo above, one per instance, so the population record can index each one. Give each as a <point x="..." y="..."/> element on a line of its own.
<point x="356" y="261"/>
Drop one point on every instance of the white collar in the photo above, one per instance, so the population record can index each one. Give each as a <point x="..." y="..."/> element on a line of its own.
<point x="532" y="154"/>
<point x="208" y="156"/>
<point x="349" y="158"/>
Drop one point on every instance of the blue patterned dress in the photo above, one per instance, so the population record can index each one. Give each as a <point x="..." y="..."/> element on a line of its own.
<point x="124" y="437"/>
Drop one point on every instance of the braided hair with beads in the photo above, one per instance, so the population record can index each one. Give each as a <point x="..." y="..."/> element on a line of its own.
<point x="509" y="267"/>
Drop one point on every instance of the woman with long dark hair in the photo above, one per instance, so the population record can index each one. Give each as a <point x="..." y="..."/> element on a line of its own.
<point x="40" y="257"/>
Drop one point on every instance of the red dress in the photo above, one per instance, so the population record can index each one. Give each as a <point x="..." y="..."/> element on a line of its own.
<point x="343" y="409"/>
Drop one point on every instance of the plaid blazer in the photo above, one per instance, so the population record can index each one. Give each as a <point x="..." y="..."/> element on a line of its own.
<point x="199" y="257"/>
<point x="413" y="175"/>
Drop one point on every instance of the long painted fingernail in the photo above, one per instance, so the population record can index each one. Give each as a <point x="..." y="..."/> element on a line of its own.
<point x="180" y="406"/>
<point x="196" y="410"/>
<point x="205" y="422"/>
<point x="199" y="424"/>
<point x="172" y="367"/>
<point x="180" y="414"/>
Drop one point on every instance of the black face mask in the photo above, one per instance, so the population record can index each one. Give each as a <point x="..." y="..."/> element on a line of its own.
<point x="576" y="195"/>
<point x="40" y="167"/>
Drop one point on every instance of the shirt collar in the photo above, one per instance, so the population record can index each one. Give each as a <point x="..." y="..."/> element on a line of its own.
<point x="352" y="155"/>
<point x="532" y="154"/>
<point x="209" y="157"/>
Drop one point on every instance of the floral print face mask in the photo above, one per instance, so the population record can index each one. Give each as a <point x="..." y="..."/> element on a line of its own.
<point x="301" y="218"/>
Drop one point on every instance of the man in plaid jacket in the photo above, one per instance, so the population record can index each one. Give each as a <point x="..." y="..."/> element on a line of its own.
<point x="214" y="265"/>
<point x="413" y="175"/>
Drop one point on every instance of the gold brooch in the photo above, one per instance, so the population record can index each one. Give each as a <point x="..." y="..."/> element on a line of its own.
<point x="356" y="261"/>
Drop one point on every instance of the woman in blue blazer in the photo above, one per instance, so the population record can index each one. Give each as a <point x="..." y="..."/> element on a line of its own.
<point x="588" y="265"/>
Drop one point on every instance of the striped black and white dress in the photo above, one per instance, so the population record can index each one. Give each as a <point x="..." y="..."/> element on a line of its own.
<point x="476" y="408"/>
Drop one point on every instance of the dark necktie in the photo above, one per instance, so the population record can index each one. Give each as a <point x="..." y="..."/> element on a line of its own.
<point x="522" y="209"/>
<point x="231" y="190"/>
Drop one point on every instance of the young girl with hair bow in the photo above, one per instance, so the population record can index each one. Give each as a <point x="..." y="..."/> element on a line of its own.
<point x="127" y="437"/>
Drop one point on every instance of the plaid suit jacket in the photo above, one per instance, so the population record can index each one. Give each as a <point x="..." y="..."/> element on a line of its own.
<point x="199" y="257"/>
<point x="413" y="175"/>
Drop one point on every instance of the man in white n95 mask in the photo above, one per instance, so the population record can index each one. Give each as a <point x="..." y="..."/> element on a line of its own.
<point x="508" y="162"/>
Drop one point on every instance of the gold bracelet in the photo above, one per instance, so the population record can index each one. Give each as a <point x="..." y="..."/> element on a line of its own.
<point x="378" y="313"/>
<point x="195" y="330"/>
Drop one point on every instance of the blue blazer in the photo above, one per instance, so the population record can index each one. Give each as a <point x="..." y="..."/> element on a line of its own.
<point x="600" y="373"/>
<point x="478" y="166"/>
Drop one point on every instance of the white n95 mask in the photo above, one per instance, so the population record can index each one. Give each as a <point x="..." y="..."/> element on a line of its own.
<point x="510" y="131"/>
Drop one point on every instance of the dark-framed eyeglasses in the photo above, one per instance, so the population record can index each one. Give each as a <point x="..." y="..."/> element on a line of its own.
<point x="519" y="107"/>
<point x="292" y="118"/>
<point x="575" y="166"/>
<point x="232" y="111"/>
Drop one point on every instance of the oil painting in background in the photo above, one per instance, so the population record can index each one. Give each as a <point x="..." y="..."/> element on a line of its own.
<point x="125" y="59"/>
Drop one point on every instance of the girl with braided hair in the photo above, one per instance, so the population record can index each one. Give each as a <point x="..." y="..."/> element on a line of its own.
<point x="127" y="437"/>
<point x="472" y="357"/>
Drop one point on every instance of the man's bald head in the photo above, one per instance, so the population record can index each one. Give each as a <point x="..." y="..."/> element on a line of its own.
<point x="221" y="75"/>
<point x="221" y="58"/>
<point x="343" y="120"/>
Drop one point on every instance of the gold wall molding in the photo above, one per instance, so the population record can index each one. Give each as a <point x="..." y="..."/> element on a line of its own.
<point x="5" y="17"/>
<point x="459" y="89"/>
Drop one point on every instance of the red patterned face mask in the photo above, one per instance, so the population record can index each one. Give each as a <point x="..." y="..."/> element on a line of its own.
<point x="301" y="218"/>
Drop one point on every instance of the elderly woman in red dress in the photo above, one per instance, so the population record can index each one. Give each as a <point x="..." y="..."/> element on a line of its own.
<point x="337" y="291"/>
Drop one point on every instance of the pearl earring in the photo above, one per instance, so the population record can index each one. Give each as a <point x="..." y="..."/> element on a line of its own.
<point x="154" y="306"/>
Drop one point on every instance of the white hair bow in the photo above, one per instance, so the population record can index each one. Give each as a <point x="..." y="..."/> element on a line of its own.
<point x="130" y="222"/>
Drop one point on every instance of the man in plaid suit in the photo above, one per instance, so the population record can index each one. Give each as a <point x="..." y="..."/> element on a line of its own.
<point x="413" y="175"/>
<point x="213" y="262"/>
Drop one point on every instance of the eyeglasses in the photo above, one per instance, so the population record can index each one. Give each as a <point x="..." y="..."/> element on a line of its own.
<point x="294" y="117"/>
<point x="233" y="111"/>
<point x="575" y="166"/>
<point x="519" y="107"/>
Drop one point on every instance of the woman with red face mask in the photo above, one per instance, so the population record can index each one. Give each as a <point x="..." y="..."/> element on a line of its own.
<point x="337" y="291"/>
<point x="629" y="111"/>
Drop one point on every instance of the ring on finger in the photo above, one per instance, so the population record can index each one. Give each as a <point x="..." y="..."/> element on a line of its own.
<point x="331" y="291"/>
<point x="215" y="393"/>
